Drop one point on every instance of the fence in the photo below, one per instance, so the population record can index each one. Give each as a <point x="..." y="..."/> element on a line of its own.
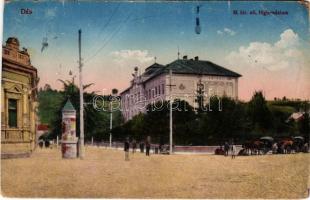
<point x="176" y="149"/>
<point x="155" y="147"/>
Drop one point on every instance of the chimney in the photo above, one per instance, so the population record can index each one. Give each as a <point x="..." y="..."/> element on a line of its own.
<point x="136" y="72"/>
<point x="196" y="58"/>
<point x="184" y="57"/>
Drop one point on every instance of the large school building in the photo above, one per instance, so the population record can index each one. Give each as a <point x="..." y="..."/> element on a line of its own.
<point x="188" y="77"/>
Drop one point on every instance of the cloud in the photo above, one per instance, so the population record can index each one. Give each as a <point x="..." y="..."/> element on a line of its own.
<point x="226" y="31"/>
<point x="288" y="39"/>
<point x="219" y="32"/>
<point x="229" y="31"/>
<point x="279" y="68"/>
<point x="117" y="68"/>
<point x="50" y="12"/>
<point x="280" y="55"/>
<point x="140" y="57"/>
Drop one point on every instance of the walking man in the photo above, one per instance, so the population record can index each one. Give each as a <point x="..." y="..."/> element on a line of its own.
<point x="134" y="146"/>
<point x="141" y="147"/>
<point x="226" y="148"/>
<point x="148" y="146"/>
<point x="126" y="149"/>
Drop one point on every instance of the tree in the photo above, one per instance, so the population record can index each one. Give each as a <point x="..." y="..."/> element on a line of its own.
<point x="259" y="113"/>
<point x="155" y="123"/>
<point x="225" y="120"/>
<point x="96" y="122"/>
<point x="138" y="127"/>
<point x="304" y="126"/>
<point x="280" y="116"/>
<point x="47" y="87"/>
<point x="49" y="102"/>
<point x="183" y="123"/>
<point x="114" y="91"/>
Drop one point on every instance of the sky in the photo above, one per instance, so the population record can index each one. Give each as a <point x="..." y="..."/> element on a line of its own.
<point x="270" y="52"/>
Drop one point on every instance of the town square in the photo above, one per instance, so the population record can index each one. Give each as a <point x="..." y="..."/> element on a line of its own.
<point x="104" y="173"/>
<point x="174" y="99"/>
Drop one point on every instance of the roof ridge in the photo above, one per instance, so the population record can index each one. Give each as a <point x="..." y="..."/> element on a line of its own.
<point x="68" y="106"/>
<point x="220" y="66"/>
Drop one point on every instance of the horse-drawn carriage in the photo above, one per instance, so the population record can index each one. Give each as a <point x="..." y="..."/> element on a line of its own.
<point x="266" y="144"/>
<point x="257" y="146"/>
<point x="291" y="144"/>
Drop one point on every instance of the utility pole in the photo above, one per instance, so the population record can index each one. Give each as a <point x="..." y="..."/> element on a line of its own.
<point x="170" y="103"/>
<point x="114" y="93"/>
<point x="81" y="140"/>
<point x="111" y="121"/>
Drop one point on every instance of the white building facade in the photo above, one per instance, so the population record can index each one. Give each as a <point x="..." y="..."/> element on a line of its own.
<point x="187" y="75"/>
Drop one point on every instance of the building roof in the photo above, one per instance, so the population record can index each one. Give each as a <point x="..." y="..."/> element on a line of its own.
<point x="186" y="66"/>
<point x="297" y="116"/>
<point x="153" y="68"/>
<point x="68" y="106"/>
<point x="196" y="67"/>
<point x="42" y="127"/>
<point x="199" y="67"/>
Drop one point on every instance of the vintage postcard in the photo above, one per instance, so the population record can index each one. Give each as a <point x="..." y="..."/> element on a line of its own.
<point x="155" y="99"/>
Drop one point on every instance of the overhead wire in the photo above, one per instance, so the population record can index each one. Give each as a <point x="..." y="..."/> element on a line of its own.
<point x="109" y="20"/>
<point x="109" y="39"/>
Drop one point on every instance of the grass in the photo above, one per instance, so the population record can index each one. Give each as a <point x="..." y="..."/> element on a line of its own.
<point x="104" y="173"/>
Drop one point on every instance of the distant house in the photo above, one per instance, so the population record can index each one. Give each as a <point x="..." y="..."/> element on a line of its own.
<point x="189" y="75"/>
<point x="296" y="116"/>
<point x="41" y="130"/>
<point x="18" y="101"/>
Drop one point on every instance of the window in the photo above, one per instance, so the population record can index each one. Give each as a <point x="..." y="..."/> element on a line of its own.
<point x="12" y="113"/>
<point x="150" y="94"/>
<point x="156" y="91"/>
<point x="163" y="89"/>
<point x="159" y="89"/>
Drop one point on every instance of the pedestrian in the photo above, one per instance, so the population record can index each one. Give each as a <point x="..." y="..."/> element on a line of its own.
<point x="126" y="149"/>
<point x="306" y="148"/>
<point x="41" y="144"/>
<point x="142" y="147"/>
<point x="226" y="148"/>
<point x="134" y="145"/>
<point x="233" y="151"/>
<point x="274" y="148"/>
<point x="148" y="146"/>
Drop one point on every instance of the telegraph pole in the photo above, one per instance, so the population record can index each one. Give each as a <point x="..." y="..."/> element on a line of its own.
<point x="111" y="121"/>
<point x="81" y="140"/>
<point x="170" y="103"/>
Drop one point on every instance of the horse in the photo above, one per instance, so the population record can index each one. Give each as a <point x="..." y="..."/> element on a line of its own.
<point x="285" y="145"/>
<point x="253" y="147"/>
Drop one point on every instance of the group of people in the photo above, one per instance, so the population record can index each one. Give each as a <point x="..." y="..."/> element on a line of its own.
<point x="133" y="144"/>
<point x="232" y="148"/>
